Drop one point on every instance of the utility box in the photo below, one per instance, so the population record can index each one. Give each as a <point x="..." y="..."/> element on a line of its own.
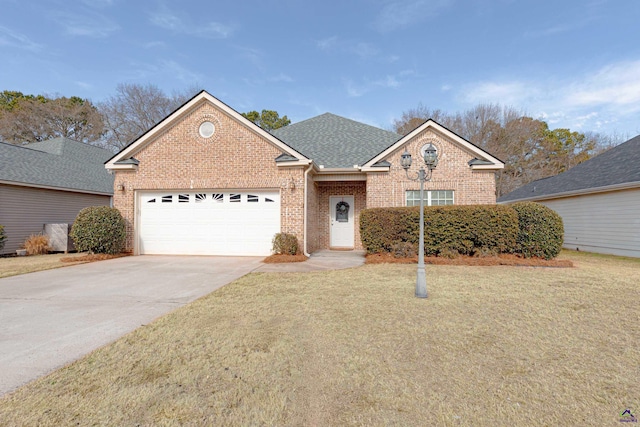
<point x="59" y="239"/>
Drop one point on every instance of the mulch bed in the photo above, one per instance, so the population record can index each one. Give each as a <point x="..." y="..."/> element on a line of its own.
<point x="93" y="257"/>
<point x="503" y="259"/>
<point x="277" y="259"/>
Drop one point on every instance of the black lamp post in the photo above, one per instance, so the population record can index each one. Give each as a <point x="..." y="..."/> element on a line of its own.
<point x="431" y="161"/>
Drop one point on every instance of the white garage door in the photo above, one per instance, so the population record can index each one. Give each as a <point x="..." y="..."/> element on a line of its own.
<point x="214" y="222"/>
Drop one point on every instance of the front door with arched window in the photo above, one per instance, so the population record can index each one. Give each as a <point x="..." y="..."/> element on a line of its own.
<point x="342" y="214"/>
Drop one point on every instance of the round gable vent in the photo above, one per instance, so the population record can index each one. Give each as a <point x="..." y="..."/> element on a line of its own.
<point x="207" y="129"/>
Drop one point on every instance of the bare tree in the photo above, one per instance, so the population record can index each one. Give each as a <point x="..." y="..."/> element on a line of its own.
<point x="528" y="147"/>
<point x="33" y="119"/>
<point x="414" y="117"/>
<point x="135" y="109"/>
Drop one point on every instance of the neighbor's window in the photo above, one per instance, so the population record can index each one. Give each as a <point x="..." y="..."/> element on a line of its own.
<point x="431" y="198"/>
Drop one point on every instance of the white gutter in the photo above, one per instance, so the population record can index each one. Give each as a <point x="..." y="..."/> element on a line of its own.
<point x="582" y="191"/>
<point x="304" y="217"/>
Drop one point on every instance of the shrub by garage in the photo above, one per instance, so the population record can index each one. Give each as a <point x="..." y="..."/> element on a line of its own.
<point x="99" y="229"/>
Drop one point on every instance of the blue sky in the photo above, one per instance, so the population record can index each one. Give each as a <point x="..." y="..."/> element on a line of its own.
<point x="572" y="63"/>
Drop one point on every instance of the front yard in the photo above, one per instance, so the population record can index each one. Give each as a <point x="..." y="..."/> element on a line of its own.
<point x="491" y="346"/>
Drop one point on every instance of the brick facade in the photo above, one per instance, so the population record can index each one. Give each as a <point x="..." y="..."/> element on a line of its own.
<point x="388" y="189"/>
<point x="234" y="158"/>
<point x="238" y="157"/>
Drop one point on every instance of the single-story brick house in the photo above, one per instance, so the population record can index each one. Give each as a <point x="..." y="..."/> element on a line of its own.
<point x="598" y="200"/>
<point x="49" y="182"/>
<point x="205" y="180"/>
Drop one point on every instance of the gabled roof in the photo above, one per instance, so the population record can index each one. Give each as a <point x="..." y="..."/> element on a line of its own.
<point x="58" y="163"/>
<point x="482" y="160"/>
<point x="336" y="142"/>
<point x="616" y="168"/>
<point x="121" y="159"/>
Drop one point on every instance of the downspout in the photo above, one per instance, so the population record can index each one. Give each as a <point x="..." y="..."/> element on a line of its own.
<point x="304" y="217"/>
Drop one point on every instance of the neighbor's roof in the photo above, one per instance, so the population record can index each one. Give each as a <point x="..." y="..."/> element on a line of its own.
<point x="59" y="163"/>
<point x="615" y="167"/>
<point x="336" y="142"/>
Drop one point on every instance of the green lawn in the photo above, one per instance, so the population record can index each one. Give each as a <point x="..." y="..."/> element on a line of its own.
<point x="492" y="346"/>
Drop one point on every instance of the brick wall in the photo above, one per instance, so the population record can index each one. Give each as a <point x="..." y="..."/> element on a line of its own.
<point x="385" y="189"/>
<point x="233" y="158"/>
<point x="237" y="158"/>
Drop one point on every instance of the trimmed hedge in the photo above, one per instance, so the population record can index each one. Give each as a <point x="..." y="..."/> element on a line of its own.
<point x="541" y="230"/>
<point x="528" y="228"/>
<point x="99" y="229"/>
<point x="466" y="230"/>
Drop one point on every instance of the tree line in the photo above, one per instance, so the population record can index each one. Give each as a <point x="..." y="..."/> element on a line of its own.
<point x="112" y="124"/>
<point x="527" y="146"/>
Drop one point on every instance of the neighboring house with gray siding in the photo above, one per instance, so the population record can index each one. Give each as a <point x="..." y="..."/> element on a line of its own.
<point x="49" y="182"/>
<point x="599" y="201"/>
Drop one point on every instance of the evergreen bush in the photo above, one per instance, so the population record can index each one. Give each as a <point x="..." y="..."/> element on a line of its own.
<point x="465" y="230"/>
<point x="99" y="229"/>
<point x="285" y="244"/>
<point x="541" y="230"/>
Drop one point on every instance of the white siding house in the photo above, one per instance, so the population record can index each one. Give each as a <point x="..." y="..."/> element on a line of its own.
<point x="598" y="200"/>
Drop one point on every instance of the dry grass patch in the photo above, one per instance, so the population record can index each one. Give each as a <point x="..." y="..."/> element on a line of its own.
<point x="13" y="266"/>
<point x="492" y="346"/>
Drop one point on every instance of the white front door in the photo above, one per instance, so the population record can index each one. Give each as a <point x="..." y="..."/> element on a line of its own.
<point x="342" y="221"/>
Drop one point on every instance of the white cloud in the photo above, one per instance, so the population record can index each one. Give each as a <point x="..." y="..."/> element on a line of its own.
<point x="617" y="84"/>
<point x="399" y="14"/>
<point x="12" y="38"/>
<point x="595" y="100"/>
<point x="355" y="90"/>
<point x="362" y="49"/>
<point x="284" y="78"/>
<point x="180" y="72"/>
<point x="99" y="3"/>
<point x="328" y="43"/>
<point x="505" y="93"/>
<point x="169" y="20"/>
<point x="84" y="85"/>
<point x="88" y="24"/>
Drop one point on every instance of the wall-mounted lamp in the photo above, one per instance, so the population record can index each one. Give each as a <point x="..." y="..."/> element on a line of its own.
<point x="120" y="187"/>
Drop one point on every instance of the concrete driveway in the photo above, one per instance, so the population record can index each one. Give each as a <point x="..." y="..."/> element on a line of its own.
<point x="51" y="318"/>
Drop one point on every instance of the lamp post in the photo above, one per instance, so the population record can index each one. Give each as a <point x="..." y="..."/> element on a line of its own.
<point x="430" y="158"/>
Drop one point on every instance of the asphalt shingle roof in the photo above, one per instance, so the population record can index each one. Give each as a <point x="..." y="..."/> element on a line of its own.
<point x="336" y="142"/>
<point x="60" y="162"/>
<point x="618" y="165"/>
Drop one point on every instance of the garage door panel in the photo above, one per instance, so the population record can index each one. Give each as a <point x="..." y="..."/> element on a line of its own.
<point x="208" y="222"/>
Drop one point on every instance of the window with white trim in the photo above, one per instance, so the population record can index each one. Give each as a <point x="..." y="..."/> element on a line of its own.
<point x="431" y="197"/>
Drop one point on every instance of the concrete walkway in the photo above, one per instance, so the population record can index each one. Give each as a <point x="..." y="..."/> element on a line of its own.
<point x="319" y="261"/>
